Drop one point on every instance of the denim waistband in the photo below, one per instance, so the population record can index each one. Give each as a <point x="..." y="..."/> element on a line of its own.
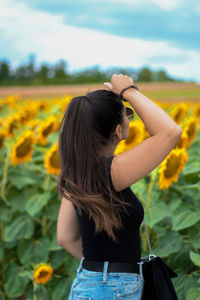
<point x="105" y="268"/>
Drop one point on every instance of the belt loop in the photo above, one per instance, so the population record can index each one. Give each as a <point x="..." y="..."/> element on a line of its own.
<point x="105" y="269"/>
<point x="80" y="265"/>
<point x="141" y="273"/>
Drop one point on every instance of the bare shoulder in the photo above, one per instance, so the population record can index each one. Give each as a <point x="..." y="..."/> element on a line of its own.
<point x="134" y="164"/>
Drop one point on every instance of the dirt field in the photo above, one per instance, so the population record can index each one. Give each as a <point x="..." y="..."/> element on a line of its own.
<point x="163" y="91"/>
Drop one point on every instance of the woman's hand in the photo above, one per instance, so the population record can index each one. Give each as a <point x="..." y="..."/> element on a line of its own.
<point x="118" y="83"/>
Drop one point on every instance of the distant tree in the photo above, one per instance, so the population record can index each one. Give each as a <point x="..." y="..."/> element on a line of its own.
<point x="60" y="70"/>
<point x="161" y="75"/>
<point x="145" y="74"/>
<point x="4" y="71"/>
<point x="31" y="72"/>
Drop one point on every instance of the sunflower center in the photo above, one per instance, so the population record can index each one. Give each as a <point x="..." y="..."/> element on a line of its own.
<point x="1" y="140"/>
<point x="24" y="148"/>
<point x="55" y="161"/>
<point x="172" y="166"/>
<point x="13" y="126"/>
<point x="48" y="130"/>
<point x="178" y="115"/>
<point x="130" y="136"/>
<point x="43" y="274"/>
<point x="191" y="130"/>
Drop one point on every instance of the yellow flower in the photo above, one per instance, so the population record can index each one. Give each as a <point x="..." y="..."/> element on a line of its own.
<point x="52" y="160"/>
<point x="2" y="137"/>
<point x="27" y="112"/>
<point x="171" y="167"/>
<point x="146" y="134"/>
<point x="12" y="123"/>
<point x="135" y="135"/>
<point x="64" y="102"/>
<point x="33" y="123"/>
<point x="179" y="112"/>
<point x="43" y="105"/>
<point x="183" y="141"/>
<point x="1" y="122"/>
<point x="11" y="100"/>
<point x="45" y="128"/>
<point x="196" y="111"/>
<point x="42" y="273"/>
<point x="190" y="128"/>
<point x="23" y="148"/>
<point x="120" y="148"/>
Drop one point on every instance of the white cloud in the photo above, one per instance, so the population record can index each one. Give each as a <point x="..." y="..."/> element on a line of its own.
<point x="29" y="31"/>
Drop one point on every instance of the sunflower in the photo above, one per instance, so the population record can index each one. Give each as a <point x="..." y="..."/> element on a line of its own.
<point x="2" y="137"/>
<point x="52" y="160"/>
<point x="42" y="273"/>
<point x="23" y="148"/>
<point x="11" y="100"/>
<point x="42" y="105"/>
<point x="191" y="127"/>
<point x="120" y="148"/>
<point x="45" y="128"/>
<point x="27" y="112"/>
<point x="64" y="102"/>
<point x="12" y="123"/>
<point x="196" y="111"/>
<point x="179" y="112"/>
<point x="33" y="124"/>
<point x="1" y="122"/>
<point x="146" y="134"/>
<point x="171" y="167"/>
<point x="183" y="141"/>
<point x="135" y="135"/>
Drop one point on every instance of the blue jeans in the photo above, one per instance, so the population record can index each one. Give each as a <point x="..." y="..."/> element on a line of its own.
<point x="92" y="285"/>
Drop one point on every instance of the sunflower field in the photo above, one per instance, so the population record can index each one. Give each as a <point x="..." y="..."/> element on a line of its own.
<point x="33" y="265"/>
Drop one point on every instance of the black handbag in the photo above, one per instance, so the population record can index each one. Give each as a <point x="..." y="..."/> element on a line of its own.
<point x="157" y="274"/>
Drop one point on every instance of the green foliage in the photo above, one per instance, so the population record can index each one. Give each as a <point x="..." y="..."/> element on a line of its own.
<point x="173" y="221"/>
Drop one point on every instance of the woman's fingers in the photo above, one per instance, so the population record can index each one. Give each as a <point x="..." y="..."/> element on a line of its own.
<point x="108" y="85"/>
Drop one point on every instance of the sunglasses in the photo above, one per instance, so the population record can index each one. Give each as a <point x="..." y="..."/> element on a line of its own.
<point x="129" y="113"/>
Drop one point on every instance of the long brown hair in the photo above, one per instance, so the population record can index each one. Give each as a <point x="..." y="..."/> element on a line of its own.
<point x="89" y="123"/>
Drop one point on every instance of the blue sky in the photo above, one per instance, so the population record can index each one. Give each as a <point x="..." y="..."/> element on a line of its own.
<point x="127" y="33"/>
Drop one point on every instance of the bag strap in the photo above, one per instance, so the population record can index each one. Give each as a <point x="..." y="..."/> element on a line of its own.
<point x="148" y="240"/>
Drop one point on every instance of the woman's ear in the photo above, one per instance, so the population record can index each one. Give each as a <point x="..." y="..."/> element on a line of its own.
<point x="118" y="131"/>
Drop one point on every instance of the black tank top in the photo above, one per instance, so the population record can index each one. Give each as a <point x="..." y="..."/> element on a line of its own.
<point x="100" y="246"/>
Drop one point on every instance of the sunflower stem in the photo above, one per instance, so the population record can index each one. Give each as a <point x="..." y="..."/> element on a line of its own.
<point x="44" y="225"/>
<point x="47" y="180"/>
<point x="34" y="291"/>
<point x="150" y="189"/>
<point x="5" y="173"/>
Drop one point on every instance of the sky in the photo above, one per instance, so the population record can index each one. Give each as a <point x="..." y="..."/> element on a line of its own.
<point x="159" y="34"/>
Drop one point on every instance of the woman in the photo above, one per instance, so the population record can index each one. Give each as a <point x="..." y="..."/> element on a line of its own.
<point x="100" y="216"/>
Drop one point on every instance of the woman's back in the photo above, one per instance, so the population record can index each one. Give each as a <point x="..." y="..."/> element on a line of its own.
<point x="98" y="246"/>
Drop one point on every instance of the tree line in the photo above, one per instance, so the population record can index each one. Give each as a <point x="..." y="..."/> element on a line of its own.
<point x="46" y="74"/>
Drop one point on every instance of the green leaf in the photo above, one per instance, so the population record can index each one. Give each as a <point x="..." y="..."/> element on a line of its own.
<point x="21" y="227"/>
<point x="170" y="243"/>
<point x="185" y="219"/>
<point x="16" y="287"/>
<point x="195" y="258"/>
<point x="36" y="202"/>
<point x="193" y="233"/>
<point x="33" y="251"/>
<point x="57" y="258"/>
<point x="193" y="294"/>
<point x="60" y="288"/>
<point x="158" y="211"/>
